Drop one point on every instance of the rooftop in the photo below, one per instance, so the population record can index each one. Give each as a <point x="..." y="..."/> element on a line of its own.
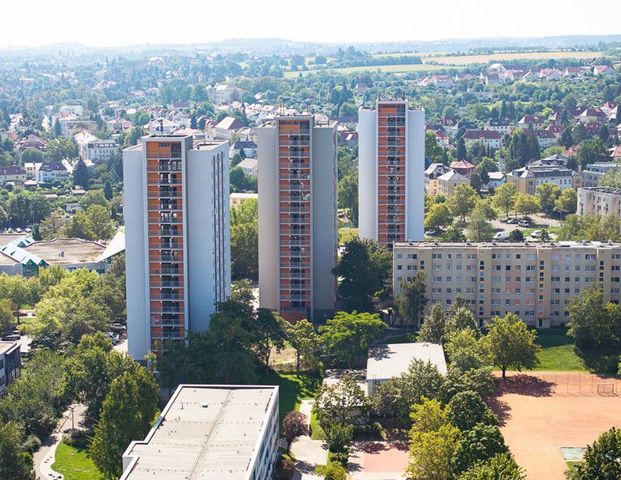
<point x="389" y="361"/>
<point x="462" y="245"/>
<point x="6" y="346"/>
<point x="209" y="432"/>
<point x="610" y="190"/>
<point x="66" y="250"/>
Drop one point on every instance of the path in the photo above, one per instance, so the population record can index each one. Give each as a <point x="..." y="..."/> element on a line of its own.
<point x="308" y="452"/>
<point x="44" y="457"/>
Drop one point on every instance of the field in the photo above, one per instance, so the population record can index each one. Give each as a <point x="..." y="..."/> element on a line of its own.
<point x="558" y="352"/>
<point x="499" y="57"/>
<point x="374" y="68"/>
<point x="541" y="412"/>
<point x="293" y="389"/>
<point x="75" y="464"/>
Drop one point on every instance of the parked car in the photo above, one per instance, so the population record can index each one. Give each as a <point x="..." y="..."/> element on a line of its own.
<point x="536" y="234"/>
<point x="508" y="220"/>
<point x="431" y="232"/>
<point x="502" y="236"/>
<point x="524" y="223"/>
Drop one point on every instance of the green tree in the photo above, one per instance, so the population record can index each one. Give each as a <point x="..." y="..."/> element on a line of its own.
<point x="463" y="350"/>
<point x="462" y="201"/>
<point x="467" y="408"/>
<point x="510" y="343"/>
<point x="434" y="326"/>
<point x="15" y="464"/>
<point x="602" y="460"/>
<point x="342" y="403"/>
<point x="479" y="444"/>
<point x="484" y="167"/>
<point x="438" y="216"/>
<point x="80" y="174"/>
<point x="504" y="197"/>
<point x="53" y="225"/>
<point x="363" y="272"/>
<point x="479" y="228"/>
<point x="522" y="147"/>
<point x="245" y="240"/>
<point x="332" y="471"/>
<point x="567" y="202"/>
<point x="303" y="339"/>
<point x="271" y="335"/>
<point x="526" y="204"/>
<point x="433" y="442"/>
<point x="99" y="223"/>
<point x="108" y="192"/>
<point x="461" y="149"/>
<point x="93" y="197"/>
<point x="348" y="196"/>
<point x="25" y="207"/>
<point x="591" y="151"/>
<point x="411" y="300"/>
<point x="433" y="150"/>
<point x="548" y="194"/>
<point x="8" y="319"/>
<point x="345" y="339"/>
<point x="126" y="414"/>
<point x="566" y="138"/>
<point x="461" y="318"/>
<point x="499" y="467"/>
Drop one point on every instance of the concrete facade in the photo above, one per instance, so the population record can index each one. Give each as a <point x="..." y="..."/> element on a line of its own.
<point x="599" y="201"/>
<point x="10" y="364"/>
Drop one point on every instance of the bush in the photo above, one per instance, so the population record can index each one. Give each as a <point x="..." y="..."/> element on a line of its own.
<point x="340" y="457"/>
<point x="332" y="471"/>
<point x="295" y="425"/>
<point x="285" y="469"/>
<point x="32" y="444"/>
<point x="77" y="438"/>
<point x="339" y="437"/>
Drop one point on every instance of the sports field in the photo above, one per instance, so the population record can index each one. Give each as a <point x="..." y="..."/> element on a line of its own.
<point x="543" y="411"/>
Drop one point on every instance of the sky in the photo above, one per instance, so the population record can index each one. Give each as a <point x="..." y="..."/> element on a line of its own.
<point x="107" y="23"/>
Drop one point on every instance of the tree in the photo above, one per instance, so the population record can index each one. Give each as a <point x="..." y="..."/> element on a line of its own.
<point x="80" y="174"/>
<point x="526" y="204"/>
<point x="460" y="318"/>
<point x="8" y="319"/>
<point x="348" y="196"/>
<point x="595" y="325"/>
<point x="411" y="300"/>
<point x="53" y="225"/>
<point x="294" y="425"/>
<point x="504" y="197"/>
<point x="438" y="216"/>
<point x="516" y="235"/>
<point x="303" y="339"/>
<point x="343" y="403"/>
<point x="479" y="444"/>
<point x="99" y="223"/>
<point x="467" y="408"/>
<point x="484" y="167"/>
<point x="591" y="151"/>
<point x="363" y="271"/>
<point x="15" y="464"/>
<point x="433" y="442"/>
<point x="271" y="334"/>
<point x="566" y="139"/>
<point x="479" y="227"/>
<point x="107" y="190"/>
<point x="345" y="339"/>
<point x="499" y="467"/>
<point x="522" y="147"/>
<point x="332" y="471"/>
<point x="434" y="326"/>
<point x="463" y="350"/>
<point x="567" y="202"/>
<point x="510" y="343"/>
<point x="462" y="201"/>
<point x="27" y="207"/>
<point x="548" y="194"/>
<point x="602" y="460"/>
<point x="245" y="240"/>
<point x="126" y="414"/>
<point x="461" y="149"/>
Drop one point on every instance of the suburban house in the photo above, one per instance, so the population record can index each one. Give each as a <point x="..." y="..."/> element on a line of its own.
<point x="52" y="172"/>
<point x="12" y="174"/>
<point x="489" y="138"/>
<point x="463" y="167"/>
<point x="446" y="183"/>
<point x="526" y="179"/>
<point x="432" y="173"/>
<point x="250" y="166"/>
<point x="32" y="141"/>
<point x="228" y="127"/>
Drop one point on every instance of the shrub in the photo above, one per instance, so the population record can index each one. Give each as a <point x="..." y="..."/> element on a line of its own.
<point x="295" y="425"/>
<point x="332" y="471"/>
<point x="339" y="437"/>
<point x="77" y="438"/>
<point x="285" y="469"/>
<point x="32" y="444"/>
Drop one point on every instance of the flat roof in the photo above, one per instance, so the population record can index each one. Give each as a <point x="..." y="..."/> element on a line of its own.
<point x="565" y="244"/>
<point x="7" y="346"/>
<point x="207" y="432"/>
<point x="391" y="360"/>
<point x="611" y="190"/>
<point x="66" y="250"/>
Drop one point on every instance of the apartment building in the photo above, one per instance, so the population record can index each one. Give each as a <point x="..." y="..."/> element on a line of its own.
<point x="177" y="237"/>
<point x="599" y="201"/>
<point x="101" y="150"/>
<point x="534" y="281"/>
<point x="391" y="172"/>
<point x="297" y="216"/>
<point x="594" y="172"/>
<point x="527" y="179"/>
<point x="10" y="364"/>
<point x="211" y="432"/>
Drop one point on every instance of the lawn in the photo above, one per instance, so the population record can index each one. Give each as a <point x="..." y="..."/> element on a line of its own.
<point x="293" y="389"/>
<point x="558" y="352"/>
<point x="75" y="464"/>
<point x="346" y="234"/>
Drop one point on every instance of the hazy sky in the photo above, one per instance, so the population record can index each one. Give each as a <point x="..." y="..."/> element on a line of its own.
<point x="124" y="22"/>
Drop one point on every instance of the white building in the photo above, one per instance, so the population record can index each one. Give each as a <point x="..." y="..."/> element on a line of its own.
<point x="52" y="172"/>
<point x="391" y="172"/>
<point x="211" y="432"/>
<point x="82" y="139"/>
<point x="101" y="150"/>
<point x="250" y="166"/>
<point x="297" y="216"/>
<point x="599" y="201"/>
<point x="392" y="360"/>
<point x="225" y="94"/>
<point x="490" y="138"/>
<point x="177" y="237"/>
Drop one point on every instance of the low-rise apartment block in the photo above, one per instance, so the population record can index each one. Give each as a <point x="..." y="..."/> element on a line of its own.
<point x="211" y="432"/>
<point x="10" y="364"/>
<point x="594" y="172"/>
<point x="534" y="281"/>
<point x="599" y="201"/>
<point x="527" y="179"/>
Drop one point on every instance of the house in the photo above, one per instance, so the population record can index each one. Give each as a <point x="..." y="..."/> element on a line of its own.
<point x="446" y="183"/>
<point x="615" y="153"/>
<point x="432" y="173"/>
<point x="451" y="124"/>
<point x="496" y="179"/>
<point x="527" y="179"/>
<point x="101" y="150"/>
<point x="390" y="361"/>
<point x="529" y="77"/>
<point x="227" y="127"/>
<point x="82" y="139"/>
<point x="32" y="168"/>
<point x="463" y="167"/>
<point x="545" y="138"/>
<point x="119" y="125"/>
<point x="162" y="126"/>
<point x="490" y="138"/>
<point x="603" y="70"/>
<point x="10" y="364"/>
<point x="532" y="122"/>
<point x="554" y="160"/>
<point x="225" y="94"/>
<point x="250" y="166"/>
<point x="249" y="148"/>
<point x="592" y="115"/>
<point x="502" y="128"/>
<point x="32" y="141"/>
<point x="12" y="174"/>
<point x="52" y="172"/>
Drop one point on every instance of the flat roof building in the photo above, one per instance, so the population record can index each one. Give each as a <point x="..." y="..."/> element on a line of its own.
<point x="533" y="280"/>
<point x="10" y="364"/>
<point x="297" y="216"/>
<point x="210" y="432"/>
<point x="599" y="201"/>
<point x="177" y="238"/>
<point x="390" y="361"/>
<point x="391" y="166"/>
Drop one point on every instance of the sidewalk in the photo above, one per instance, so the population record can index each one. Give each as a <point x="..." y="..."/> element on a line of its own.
<point x="308" y="452"/>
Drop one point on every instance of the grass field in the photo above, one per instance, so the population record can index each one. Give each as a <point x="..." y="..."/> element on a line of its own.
<point x="499" y="57"/>
<point x="293" y="389"/>
<point x="75" y="464"/>
<point x="558" y="352"/>
<point x="346" y="234"/>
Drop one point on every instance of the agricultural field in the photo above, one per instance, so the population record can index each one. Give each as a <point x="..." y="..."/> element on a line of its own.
<point x="382" y="68"/>
<point x="499" y="57"/>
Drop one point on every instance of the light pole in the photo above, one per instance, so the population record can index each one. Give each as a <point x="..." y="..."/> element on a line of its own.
<point x="72" y="407"/>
